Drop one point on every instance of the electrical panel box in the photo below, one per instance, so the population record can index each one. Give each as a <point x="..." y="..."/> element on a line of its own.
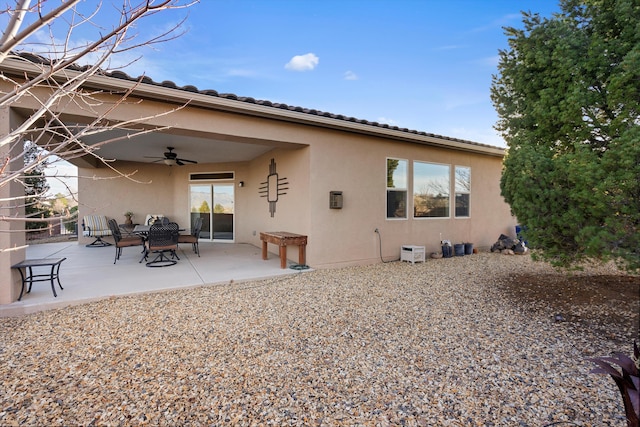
<point x="335" y="200"/>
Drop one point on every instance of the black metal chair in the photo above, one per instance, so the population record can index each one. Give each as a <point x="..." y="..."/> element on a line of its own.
<point x="122" y="242"/>
<point x="162" y="239"/>
<point x="193" y="237"/>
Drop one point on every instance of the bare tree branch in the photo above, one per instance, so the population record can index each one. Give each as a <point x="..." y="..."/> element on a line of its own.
<point x="12" y="38"/>
<point x="55" y="77"/>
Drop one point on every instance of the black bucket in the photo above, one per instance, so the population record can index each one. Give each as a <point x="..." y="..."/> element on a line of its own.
<point x="468" y="248"/>
<point x="446" y="251"/>
<point x="459" y="248"/>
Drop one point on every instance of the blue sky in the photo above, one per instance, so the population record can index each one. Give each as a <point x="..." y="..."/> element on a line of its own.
<point x="424" y="65"/>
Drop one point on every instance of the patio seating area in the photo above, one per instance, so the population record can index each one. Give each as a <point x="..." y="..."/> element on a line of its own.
<point x="89" y="274"/>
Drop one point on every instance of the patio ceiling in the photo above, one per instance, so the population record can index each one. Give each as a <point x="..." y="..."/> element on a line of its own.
<point x="203" y="149"/>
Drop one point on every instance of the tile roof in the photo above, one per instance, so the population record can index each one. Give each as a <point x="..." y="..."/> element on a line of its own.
<point x="117" y="74"/>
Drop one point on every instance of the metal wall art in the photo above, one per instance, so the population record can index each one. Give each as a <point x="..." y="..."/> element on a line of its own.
<point x="273" y="187"/>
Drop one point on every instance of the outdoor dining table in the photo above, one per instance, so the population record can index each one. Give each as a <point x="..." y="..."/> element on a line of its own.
<point x="143" y="231"/>
<point x="127" y="230"/>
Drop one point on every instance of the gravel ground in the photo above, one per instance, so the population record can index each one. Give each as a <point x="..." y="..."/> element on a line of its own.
<point x="432" y="344"/>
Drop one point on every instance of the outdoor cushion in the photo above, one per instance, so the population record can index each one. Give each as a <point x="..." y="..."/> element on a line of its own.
<point x="154" y="217"/>
<point x="95" y="226"/>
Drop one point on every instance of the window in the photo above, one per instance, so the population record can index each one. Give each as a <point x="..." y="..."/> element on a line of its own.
<point x="213" y="176"/>
<point x="431" y="190"/>
<point x="396" y="188"/>
<point x="463" y="189"/>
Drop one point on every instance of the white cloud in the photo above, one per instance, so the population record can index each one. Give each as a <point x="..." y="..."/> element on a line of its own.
<point x="350" y="75"/>
<point x="305" y="62"/>
<point x="387" y="121"/>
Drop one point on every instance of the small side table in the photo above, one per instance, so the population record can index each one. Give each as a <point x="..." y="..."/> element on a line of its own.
<point x="29" y="277"/>
<point x="412" y="253"/>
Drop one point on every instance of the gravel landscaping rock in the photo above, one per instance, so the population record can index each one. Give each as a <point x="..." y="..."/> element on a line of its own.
<point x="448" y="342"/>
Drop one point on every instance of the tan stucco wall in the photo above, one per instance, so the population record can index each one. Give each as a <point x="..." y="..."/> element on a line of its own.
<point x="12" y="239"/>
<point x="356" y="165"/>
<point x="150" y="190"/>
<point x="292" y="208"/>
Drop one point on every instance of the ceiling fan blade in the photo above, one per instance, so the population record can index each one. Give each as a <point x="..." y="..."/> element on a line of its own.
<point x="169" y="157"/>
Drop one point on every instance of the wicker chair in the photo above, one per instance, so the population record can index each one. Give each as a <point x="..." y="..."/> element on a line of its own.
<point x="193" y="237"/>
<point x="98" y="227"/>
<point x="162" y="239"/>
<point x="122" y="242"/>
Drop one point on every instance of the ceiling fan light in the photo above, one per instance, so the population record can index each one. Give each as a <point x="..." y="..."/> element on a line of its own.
<point x="170" y="162"/>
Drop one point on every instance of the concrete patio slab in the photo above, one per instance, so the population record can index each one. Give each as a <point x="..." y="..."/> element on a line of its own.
<point x="88" y="274"/>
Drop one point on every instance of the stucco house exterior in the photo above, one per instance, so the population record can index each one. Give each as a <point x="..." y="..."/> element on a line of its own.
<point x="264" y="166"/>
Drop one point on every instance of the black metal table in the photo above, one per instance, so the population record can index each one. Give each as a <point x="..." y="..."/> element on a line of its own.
<point x="127" y="230"/>
<point x="28" y="276"/>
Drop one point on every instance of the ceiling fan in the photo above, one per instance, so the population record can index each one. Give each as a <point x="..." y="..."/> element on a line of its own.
<point x="170" y="158"/>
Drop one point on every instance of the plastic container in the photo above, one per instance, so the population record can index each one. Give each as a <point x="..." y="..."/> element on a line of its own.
<point x="519" y="230"/>
<point x="446" y="251"/>
<point x="459" y="249"/>
<point x="468" y="248"/>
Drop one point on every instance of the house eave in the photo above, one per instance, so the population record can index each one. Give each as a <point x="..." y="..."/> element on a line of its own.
<point x="162" y="93"/>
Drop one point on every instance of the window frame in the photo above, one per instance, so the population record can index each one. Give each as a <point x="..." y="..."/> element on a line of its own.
<point x="404" y="190"/>
<point x="413" y="182"/>
<point x="456" y="192"/>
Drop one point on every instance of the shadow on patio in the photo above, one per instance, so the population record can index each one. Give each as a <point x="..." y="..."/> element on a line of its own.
<point x="88" y="274"/>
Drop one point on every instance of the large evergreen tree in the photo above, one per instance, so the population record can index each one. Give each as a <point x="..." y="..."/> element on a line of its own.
<point x="568" y="100"/>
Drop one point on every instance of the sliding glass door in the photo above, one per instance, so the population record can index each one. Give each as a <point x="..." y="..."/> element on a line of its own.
<point x="214" y="203"/>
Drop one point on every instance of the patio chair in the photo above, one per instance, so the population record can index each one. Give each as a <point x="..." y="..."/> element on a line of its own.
<point x="122" y="242"/>
<point x="162" y="239"/>
<point x="193" y="237"/>
<point x="98" y="227"/>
